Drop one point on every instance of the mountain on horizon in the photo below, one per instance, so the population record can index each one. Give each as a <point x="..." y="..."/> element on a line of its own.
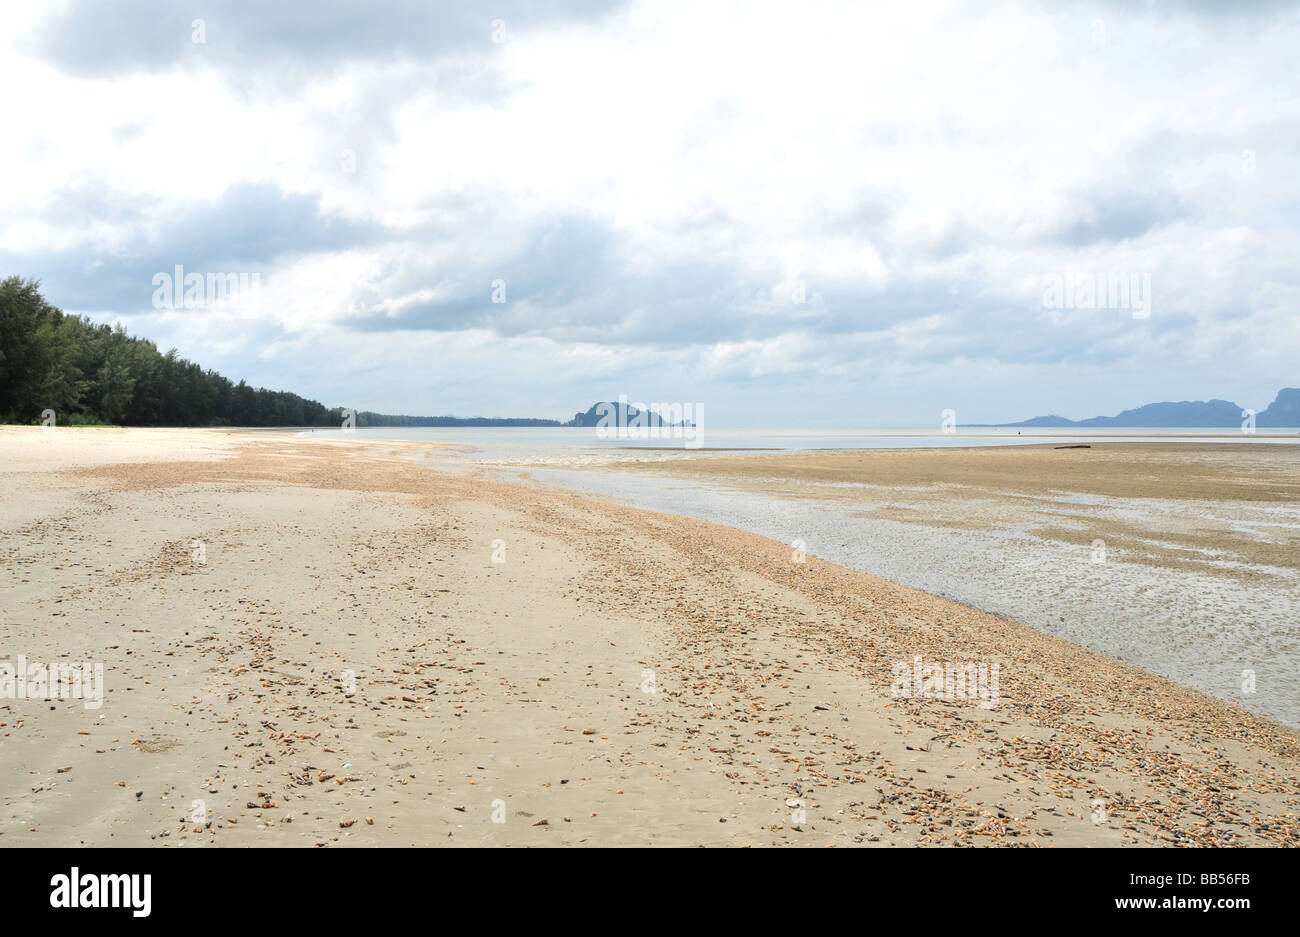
<point x="1283" y="411"/>
<point x="624" y="414"/>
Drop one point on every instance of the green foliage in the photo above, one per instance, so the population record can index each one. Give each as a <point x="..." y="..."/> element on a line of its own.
<point x="93" y="374"/>
<point x="80" y="419"/>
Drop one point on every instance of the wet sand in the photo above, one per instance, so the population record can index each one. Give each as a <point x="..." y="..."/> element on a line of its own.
<point x="1183" y="558"/>
<point x="348" y="664"/>
<point x="935" y="484"/>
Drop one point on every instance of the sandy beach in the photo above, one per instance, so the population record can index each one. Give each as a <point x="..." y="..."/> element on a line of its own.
<point x="311" y="642"/>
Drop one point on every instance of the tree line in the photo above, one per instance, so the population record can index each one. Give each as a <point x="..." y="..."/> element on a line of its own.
<point x="88" y="373"/>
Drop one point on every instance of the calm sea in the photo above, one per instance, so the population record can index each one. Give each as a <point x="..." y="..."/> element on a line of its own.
<point x="521" y="444"/>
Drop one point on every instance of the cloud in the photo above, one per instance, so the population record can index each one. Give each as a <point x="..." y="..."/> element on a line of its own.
<point x="247" y="230"/>
<point x="298" y="37"/>
<point x="730" y="199"/>
<point x="1122" y="216"/>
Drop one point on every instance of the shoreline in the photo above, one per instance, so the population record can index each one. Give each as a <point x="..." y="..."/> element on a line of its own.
<point x="476" y="682"/>
<point x="1179" y="558"/>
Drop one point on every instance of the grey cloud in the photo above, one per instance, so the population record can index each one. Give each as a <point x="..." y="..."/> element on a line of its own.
<point x="93" y="38"/>
<point x="244" y="230"/>
<point x="1122" y="216"/>
<point x="1216" y="12"/>
<point x="568" y="279"/>
<point x="570" y="282"/>
<point x="255" y="223"/>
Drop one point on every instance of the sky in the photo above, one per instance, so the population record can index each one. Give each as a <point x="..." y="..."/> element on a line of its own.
<point x="814" y="214"/>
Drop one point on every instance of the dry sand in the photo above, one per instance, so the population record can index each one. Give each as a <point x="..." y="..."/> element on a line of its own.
<point x="348" y="666"/>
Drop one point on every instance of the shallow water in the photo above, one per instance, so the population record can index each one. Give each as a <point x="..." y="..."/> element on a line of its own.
<point x="566" y="445"/>
<point x="1201" y="630"/>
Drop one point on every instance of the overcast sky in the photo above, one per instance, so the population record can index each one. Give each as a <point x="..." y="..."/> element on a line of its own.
<point x="800" y="213"/>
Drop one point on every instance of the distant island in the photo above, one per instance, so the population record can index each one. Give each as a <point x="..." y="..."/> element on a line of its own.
<point x="607" y="413"/>
<point x="1283" y="411"/>
<point x="621" y="413"/>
